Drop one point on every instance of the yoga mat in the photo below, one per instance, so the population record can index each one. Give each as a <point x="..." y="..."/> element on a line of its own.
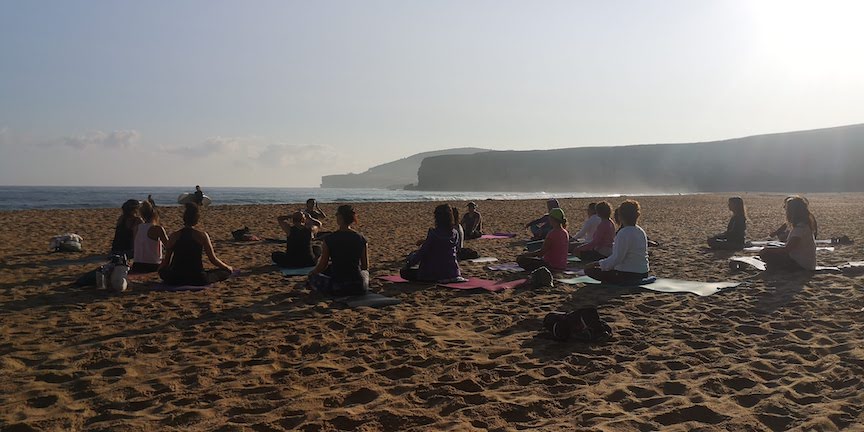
<point x="738" y="263"/>
<point x="483" y="260"/>
<point x="488" y="285"/>
<point x="818" y="248"/>
<point x="497" y="236"/>
<point x="393" y="278"/>
<point x="703" y="289"/>
<point x="511" y="266"/>
<point x="303" y="271"/>
<point x="853" y="264"/>
<point x="368" y="299"/>
<point x="578" y="280"/>
<point x="177" y="288"/>
<point x="767" y="243"/>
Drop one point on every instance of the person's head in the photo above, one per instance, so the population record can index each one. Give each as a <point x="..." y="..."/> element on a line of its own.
<point x="345" y="216"/>
<point x="472" y="206"/>
<point x="629" y="212"/>
<point x="551" y="204"/>
<point x="592" y="209"/>
<point x="455" y="216"/>
<point x="798" y="212"/>
<point x="736" y="206"/>
<point x="197" y="188"/>
<point x="556" y="215"/>
<point x="310" y="204"/>
<point x="149" y="213"/>
<point x="191" y="214"/>
<point x="298" y="218"/>
<point x="616" y="216"/>
<point x="130" y="208"/>
<point x="444" y="217"/>
<point x="603" y="210"/>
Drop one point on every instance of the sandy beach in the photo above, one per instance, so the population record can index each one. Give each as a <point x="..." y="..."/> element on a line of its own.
<point x="259" y="352"/>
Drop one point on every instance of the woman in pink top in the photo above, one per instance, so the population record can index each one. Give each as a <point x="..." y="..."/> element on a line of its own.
<point x="553" y="254"/>
<point x="600" y="245"/>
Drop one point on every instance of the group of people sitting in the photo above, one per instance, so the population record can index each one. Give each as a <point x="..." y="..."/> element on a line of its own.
<point x="614" y="256"/>
<point x="177" y="257"/>
<point x="612" y="245"/>
<point x="798" y="234"/>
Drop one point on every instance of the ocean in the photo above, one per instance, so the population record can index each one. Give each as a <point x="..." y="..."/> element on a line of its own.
<point x="73" y="197"/>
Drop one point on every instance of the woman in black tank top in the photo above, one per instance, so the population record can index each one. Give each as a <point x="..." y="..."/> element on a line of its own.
<point x="124" y="230"/>
<point x="298" y="244"/>
<point x="182" y="264"/>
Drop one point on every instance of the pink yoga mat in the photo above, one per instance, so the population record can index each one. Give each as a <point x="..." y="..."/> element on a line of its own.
<point x="393" y="278"/>
<point x="497" y="236"/>
<point x="488" y="285"/>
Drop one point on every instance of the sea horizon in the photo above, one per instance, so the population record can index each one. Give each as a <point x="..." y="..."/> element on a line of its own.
<point x="84" y="197"/>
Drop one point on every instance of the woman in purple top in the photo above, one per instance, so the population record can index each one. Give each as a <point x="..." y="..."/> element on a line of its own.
<point x="437" y="255"/>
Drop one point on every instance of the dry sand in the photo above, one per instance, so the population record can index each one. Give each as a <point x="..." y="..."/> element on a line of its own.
<point x="259" y="352"/>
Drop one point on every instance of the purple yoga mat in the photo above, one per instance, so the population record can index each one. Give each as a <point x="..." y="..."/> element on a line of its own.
<point x="175" y="288"/>
<point x="488" y="285"/>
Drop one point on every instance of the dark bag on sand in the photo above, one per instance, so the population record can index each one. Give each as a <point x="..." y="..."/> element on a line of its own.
<point x="244" y="234"/>
<point x="583" y="325"/>
<point x="466" y="254"/>
<point x="541" y="278"/>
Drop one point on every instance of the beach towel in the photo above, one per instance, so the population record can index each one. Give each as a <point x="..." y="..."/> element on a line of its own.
<point x="483" y="260"/>
<point x="369" y="300"/>
<point x="485" y="284"/>
<point x="497" y="236"/>
<point x="303" y="271"/>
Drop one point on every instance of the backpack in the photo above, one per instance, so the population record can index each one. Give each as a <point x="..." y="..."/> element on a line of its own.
<point x="244" y="234"/>
<point x="583" y="325"/>
<point x="467" y="254"/>
<point x="540" y="278"/>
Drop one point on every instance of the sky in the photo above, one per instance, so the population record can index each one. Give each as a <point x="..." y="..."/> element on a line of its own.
<point x="279" y="93"/>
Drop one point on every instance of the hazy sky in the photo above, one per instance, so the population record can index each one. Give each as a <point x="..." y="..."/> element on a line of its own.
<point x="277" y="93"/>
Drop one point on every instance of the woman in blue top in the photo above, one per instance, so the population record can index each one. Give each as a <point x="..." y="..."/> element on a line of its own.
<point x="435" y="261"/>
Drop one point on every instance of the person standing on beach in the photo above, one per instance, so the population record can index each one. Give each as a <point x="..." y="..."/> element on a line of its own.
<point x="800" y="249"/>
<point x="343" y="268"/>
<point x="198" y="196"/>
<point x="182" y="264"/>
<point x="553" y="253"/>
<point x="472" y="222"/>
<point x="628" y="263"/>
<point x="733" y="238"/>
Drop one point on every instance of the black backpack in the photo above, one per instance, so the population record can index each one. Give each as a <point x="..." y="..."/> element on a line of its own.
<point x="583" y="325"/>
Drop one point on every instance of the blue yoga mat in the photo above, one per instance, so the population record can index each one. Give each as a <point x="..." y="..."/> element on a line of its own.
<point x="303" y="271"/>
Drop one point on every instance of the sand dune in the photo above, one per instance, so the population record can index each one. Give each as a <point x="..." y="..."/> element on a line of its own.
<point x="259" y="352"/>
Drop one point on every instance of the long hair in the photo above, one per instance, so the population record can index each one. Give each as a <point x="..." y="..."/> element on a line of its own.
<point x="736" y="204"/>
<point x="149" y="213"/>
<point x="455" y="216"/>
<point x="130" y="211"/>
<point x="191" y="214"/>
<point x="798" y="212"/>
<point x="444" y="217"/>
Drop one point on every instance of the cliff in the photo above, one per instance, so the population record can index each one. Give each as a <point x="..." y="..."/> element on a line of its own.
<point x="396" y="174"/>
<point x="821" y="160"/>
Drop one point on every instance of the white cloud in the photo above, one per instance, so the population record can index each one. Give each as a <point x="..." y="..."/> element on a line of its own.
<point x="122" y="139"/>
<point x="262" y="151"/>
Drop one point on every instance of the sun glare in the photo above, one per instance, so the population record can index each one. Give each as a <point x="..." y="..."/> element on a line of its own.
<point x="811" y="39"/>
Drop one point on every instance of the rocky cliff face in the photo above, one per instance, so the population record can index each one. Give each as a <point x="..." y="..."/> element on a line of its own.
<point x="822" y="160"/>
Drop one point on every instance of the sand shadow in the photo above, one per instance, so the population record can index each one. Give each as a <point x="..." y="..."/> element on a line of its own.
<point x="782" y="289"/>
<point x="59" y="262"/>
